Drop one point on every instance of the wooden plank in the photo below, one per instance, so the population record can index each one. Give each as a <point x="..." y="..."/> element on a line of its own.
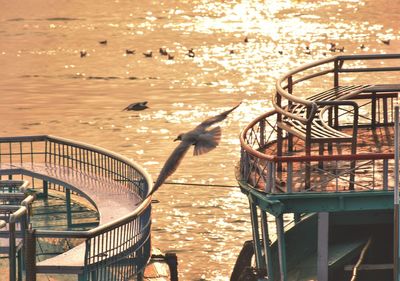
<point x="156" y="270"/>
<point x="382" y="88"/>
<point x="337" y="252"/>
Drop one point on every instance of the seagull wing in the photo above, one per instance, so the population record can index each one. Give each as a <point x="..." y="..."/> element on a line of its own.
<point x="171" y="164"/>
<point x="207" y="141"/>
<point x="208" y="122"/>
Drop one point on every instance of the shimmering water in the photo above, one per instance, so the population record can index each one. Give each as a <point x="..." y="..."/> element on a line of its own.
<point x="47" y="88"/>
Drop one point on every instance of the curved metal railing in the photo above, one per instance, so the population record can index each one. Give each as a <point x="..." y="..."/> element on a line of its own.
<point x="262" y="166"/>
<point x="115" y="250"/>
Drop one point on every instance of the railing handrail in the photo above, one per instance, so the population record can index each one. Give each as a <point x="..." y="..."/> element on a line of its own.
<point x="89" y="147"/>
<point x="283" y="92"/>
<point x="97" y="230"/>
<point x="82" y="145"/>
<point x="281" y="89"/>
<point x="313" y="158"/>
<point x="140" y="212"/>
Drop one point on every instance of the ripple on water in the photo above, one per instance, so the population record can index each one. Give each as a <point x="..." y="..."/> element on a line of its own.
<point x="205" y="225"/>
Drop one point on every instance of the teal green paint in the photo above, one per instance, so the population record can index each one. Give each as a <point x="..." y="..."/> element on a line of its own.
<point x="267" y="246"/>
<point x="281" y="247"/>
<point x="311" y="202"/>
<point x="256" y="234"/>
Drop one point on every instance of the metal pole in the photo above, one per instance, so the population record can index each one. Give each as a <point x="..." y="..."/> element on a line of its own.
<point x="323" y="244"/>
<point x="30" y="254"/>
<point x="396" y="196"/>
<point x="12" y="252"/>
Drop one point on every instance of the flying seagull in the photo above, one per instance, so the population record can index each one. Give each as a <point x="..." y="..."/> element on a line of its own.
<point x="203" y="140"/>
<point x="137" y="106"/>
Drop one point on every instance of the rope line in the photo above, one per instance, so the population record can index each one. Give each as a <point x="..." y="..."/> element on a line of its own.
<point x="199" y="184"/>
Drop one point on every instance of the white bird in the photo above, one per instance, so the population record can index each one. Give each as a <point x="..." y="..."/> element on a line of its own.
<point x="203" y="140"/>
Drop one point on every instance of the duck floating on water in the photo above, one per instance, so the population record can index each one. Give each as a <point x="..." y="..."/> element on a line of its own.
<point x="148" y="54"/>
<point x="191" y="53"/>
<point x="163" y="51"/>
<point x="137" y="106"/>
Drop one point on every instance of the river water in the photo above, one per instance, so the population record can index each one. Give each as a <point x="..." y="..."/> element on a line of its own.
<point x="48" y="88"/>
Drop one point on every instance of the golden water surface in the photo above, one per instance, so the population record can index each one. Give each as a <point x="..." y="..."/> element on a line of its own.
<point x="47" y="88"/>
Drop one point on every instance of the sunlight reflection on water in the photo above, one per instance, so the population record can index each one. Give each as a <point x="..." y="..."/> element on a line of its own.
<point x="47" y="88"/>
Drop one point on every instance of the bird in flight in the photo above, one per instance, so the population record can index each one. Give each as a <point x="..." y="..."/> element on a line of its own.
<point x="137" y="106"/>
<point x="203" y="139"/>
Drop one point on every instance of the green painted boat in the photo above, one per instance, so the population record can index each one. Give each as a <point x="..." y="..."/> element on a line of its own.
<point x="319" y="172"/>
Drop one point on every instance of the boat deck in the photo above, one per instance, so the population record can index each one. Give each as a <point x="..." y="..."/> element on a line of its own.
<point x="323" y="178"/>
<point x="326" y="151"/>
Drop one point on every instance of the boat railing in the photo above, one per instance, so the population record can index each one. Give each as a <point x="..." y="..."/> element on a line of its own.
<point x="322" y="68"/>
<point x="15" y="221"/>
<point x="114" y="250"/>
<point x="275" y="162"/>
<point x="75" y="155"/>
<point x="293" y="91"/>
<point x="262" y="168"/>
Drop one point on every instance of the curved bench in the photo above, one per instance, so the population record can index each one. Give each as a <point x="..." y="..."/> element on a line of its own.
<point x="113" y="184"/>
<point x="308" y="125"/>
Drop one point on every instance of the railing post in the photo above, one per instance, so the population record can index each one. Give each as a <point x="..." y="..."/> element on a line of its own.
<point x="396" y="196"/>
<point x="262" y="133"/>
<point x="322" y="249"/>
<point x="385" y="111"/>
<point x="354" y="148"/>
<point x="279" y="130"/>
<point x="330" y="145"/>
<point x="256" y="233"/>
<point x="281" y="247"/>
<point x="68" y="203"/>
<point x="307" y="183"/>
<point x="337" y="65"/>
<point x="385" y="179"/>
<point x="289" y="177"/>
<point x="45" y="189"/>
<point x="11" y="252"/>
<point x="30" y="254"/>
<point x="267" y="246"/>
<point x="373" y="110"/>
<point x="290" y="136"/>
<point x="270" y="185"/>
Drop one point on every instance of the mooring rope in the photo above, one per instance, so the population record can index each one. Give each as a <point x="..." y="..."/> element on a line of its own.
<point x="199" y="184"/>
<point x="360" y="259"/>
